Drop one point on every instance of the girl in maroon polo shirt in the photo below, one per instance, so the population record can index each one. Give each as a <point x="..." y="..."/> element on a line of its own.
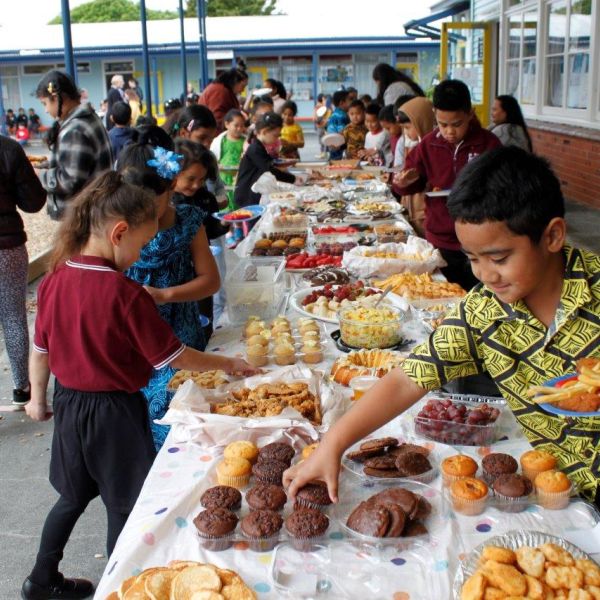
<point x="100" y="335"/>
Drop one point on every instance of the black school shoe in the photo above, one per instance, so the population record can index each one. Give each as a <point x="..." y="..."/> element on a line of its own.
<point x="21" y="397"/>
<point x="68" y="589"/>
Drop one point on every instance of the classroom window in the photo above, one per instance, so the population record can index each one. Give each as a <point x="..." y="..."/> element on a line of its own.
<point x="567" y="60"/>
<point x="520" y="80"/>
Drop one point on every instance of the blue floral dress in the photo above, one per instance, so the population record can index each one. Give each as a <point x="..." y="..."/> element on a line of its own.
<point x="166" y="261"/>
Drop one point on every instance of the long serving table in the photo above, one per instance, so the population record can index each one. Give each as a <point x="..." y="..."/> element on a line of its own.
<point x="160" y="528"/>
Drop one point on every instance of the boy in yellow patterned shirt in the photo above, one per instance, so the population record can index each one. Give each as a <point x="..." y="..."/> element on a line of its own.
<point x="534" y="314"/>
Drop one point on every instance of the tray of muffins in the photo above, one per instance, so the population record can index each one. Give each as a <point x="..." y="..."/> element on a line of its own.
<point x="242" y="500"/>
<point x="280" y="344"/>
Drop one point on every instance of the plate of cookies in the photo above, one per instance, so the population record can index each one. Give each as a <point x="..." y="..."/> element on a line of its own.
<point x="208" y="380"/>
<point x="526" y="564"/>
<point x="391" y="459"/>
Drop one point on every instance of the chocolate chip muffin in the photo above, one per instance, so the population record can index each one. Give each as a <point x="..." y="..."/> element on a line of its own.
<point x="221" y="496"/>
<point x="313" y="495"/>
<point x="266" y="496"/>
<point x="511" y="491"/>
<point x="496" y="464"/>
<point x="260" y="528"/>
<point x="214" y="527"/>
<point x="269" y="471"/>
<point x="305" y="524"/>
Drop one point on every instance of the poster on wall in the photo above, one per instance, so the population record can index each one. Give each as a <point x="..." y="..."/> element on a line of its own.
<point x="337" y="74"/>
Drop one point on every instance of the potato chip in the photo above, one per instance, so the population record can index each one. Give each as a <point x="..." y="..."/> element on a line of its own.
<point x="505" y="577"/>
<point x="158" y="584"/>
<point x="501" y="555"/>
<point x="531" y="561"/>
<point x="557" y="555"/>
<point x="195" y="579"/>
<point x="474" y="587"/>
<point x="591" y="571"/>
<point x="564" y="577"/>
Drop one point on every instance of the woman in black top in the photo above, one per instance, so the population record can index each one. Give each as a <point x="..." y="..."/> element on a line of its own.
<point x="257" y="160"/>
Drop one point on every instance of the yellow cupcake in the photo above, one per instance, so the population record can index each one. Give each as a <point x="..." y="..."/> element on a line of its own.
<point x="241" y="449"/>
<point x="257" y="355"/>
<point x="234" y="472"/>
<point x="285" y="354"/>
<point x="308" y="450"/>
<point x="254" y="328"/>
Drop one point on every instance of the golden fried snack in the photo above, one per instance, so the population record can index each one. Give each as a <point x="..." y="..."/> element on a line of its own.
<point x="594" y="590"/>
<point x="535" y="588"/>
<point x="492" y="593"/>
<point x="474" y="587"/>
<point x="591" y="571"/>
<point x="205" y="379"/>
<point x="557" y="555"/>
<point x="501" y="555"/>
<point x="579" y="595"/>
<point x="564" y="578"/>
<point x="505" y="577"/>
<point x="531" y="561"/>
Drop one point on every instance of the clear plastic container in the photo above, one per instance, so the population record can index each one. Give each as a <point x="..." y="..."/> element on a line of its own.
<point x="361" y="384"/>
<point x="334" y="234"/>
<point x="255" y="286"/>
<point x="459" y="434"/>
<point x="369" y="333"/>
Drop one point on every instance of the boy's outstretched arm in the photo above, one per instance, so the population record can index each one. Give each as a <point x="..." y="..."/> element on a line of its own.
<point x="384" y="401"/>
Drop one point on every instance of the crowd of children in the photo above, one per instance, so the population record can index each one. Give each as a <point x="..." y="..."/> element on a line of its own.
<point x="140" y="245"/>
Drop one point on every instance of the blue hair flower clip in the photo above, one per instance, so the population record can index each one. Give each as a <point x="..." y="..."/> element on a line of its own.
<point x="166" y="162"/>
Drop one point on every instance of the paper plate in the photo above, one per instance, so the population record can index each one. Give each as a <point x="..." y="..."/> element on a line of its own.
<point x="333" y="139"/>
<point x="554" y="410"/>
<point x="262" y="92"/>
<point x="321" y="111"/>
<point x="255" y="209"/>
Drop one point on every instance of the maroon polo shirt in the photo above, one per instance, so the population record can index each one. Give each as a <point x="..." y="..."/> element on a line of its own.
<point x="102" y="331"/>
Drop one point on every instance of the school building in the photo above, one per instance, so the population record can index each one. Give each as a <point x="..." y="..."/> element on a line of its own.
<point x="544" y="52"/>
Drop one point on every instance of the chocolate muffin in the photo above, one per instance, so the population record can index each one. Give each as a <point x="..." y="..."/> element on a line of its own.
<point x="269" y="471"/>
<point x="261" y="527"/>
<point x="266" y="496"/>
<point x="412" y="463"/>
<point x="221" y="496"/>
<point x="306" y="523"/>
<point x="214" y="527"/>
<point x="313" y="495"/>
<point x="277" y="451"/>
<point x="259" y="252"/>
<point x="511" y="490"/>
<point x="496" y="464"/>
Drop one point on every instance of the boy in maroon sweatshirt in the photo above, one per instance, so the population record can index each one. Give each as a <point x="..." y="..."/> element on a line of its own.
<point x="434" y="164"/>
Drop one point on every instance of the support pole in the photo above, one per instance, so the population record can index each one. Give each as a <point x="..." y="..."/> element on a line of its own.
<point x="202" y="46"/>
<point x="68" y="42"/>
<point x="146" y="56"/>
<point x="182" y="50"/>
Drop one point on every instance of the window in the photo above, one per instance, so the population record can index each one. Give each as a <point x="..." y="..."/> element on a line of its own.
<point x="11" y="94"/>
<point x="567" y="45"/>
<point x="522" y="28"/>
<point x="298" y="76"/>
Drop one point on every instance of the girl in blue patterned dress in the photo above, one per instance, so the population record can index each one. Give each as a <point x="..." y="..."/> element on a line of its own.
<point x="176" y="267"/>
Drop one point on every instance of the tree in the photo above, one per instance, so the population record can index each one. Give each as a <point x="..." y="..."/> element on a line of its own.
<point x="103" y="11"/>
<point x="232" y="8"/>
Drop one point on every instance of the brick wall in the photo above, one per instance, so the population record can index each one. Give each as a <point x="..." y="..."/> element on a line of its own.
<point x="575" y="159"/>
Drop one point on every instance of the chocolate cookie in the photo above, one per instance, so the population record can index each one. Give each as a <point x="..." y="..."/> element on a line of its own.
<point x="402" y="448"/>
<point x="398" y="520"/>
<point x="379" y="443"/>
<point x="389" y="473"/>
<point x="369" y="519"/>
<point x="269" y="471"/>
<point x="261" y="524"/>
<point x="385" y="463"/>
<point x="362" y="455"/>
<point x="415" y="528"/>
<point x="221" y="496"/>
<point x="306" y="523"/>
<point x="215" y="522"/>
<point x="423" y="509"/>
<point x="412" y="463"/>
<point x="407" y="501"/>
<point x="266" y="496"/>
<point x="277" y="451"/>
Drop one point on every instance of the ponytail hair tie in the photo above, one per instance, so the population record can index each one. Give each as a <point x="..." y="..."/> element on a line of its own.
<point x="190" y="126"/>
<point x="166" y="162"/>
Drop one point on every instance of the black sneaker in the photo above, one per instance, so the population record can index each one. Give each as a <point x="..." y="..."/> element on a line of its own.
<point x="21" y="397"/>
<point x="68" y="589"/>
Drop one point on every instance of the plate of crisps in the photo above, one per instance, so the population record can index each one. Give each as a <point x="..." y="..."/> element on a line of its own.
<point x="182" y="580"/>
<point x="528" y="564"/>
<point x="205" y="379"/>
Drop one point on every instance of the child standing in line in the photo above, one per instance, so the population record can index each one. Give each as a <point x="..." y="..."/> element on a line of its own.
<point x="338" y="120"/>
<point x="100" y="334"/>
<point x="377" y="150"/>
<point x="257" y="160"/>
<point x="259" y="108"/>
<point x="436" y="162"/>
<point x="228" y="147"/>
<point x="356" y="131"/>
<point x="394" y="129"/>
<point x="416" y="119"/>
<point x="121" y="134"/>
<point x="176" y="267"/>
<point x="292" y="136"/>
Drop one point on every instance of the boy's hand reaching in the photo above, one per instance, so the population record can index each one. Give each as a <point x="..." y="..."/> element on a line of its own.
<point x="239" y="367"/>
<point x="406" y="177"/>
<point x="322" y="465"/>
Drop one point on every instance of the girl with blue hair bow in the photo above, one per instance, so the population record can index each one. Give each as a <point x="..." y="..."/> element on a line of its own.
<point x="176" y="267"/>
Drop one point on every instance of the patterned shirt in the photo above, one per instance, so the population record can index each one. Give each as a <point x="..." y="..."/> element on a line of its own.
<point x="518" y="351"/>
<point x="82" y="151"/>
<point x="355" y="139"/>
